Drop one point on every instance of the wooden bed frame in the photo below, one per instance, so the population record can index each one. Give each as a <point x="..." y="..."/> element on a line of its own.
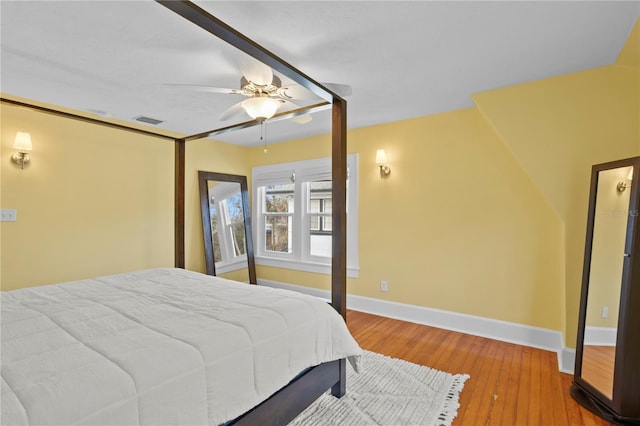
<point x="288" y="402"/>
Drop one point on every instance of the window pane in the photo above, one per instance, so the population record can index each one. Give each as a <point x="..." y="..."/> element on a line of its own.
<point x="326" y="222"/>
<point x="320" y="245"/>
<point x="237" y="236"/>
<point x="277" y="236"/>
<point x="327" y="204"/>
<point x="217" y="254"/>
<point x="315" y="223"/>
<point x="234" y="207"/>
<point x="320" y="196"/>
<point x="314" y="206"/>
<point x="213" y="214"/>
<point x="278" y="198"/>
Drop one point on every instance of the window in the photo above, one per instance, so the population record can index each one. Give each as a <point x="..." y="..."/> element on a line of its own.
<point x="234" y="219"/>
<point x="293" y="211"/>
<point x="278" y="217"/>
<point x="318" y="201"/>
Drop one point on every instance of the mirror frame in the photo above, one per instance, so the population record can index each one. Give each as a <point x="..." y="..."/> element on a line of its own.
<point x="204" y="178"/>
<point x="623" y="403"/>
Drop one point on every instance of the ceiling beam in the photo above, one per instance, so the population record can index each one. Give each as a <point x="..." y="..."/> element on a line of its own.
<point x="214" y="26"/>
<point x="84" y="118"/>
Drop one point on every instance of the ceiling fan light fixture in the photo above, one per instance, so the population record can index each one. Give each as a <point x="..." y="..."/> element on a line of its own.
<point x="261" y="107"/>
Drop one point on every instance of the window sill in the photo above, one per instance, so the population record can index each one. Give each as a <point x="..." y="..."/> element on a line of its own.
<point x="297" y="265"/>
<point x="240" y="264"/>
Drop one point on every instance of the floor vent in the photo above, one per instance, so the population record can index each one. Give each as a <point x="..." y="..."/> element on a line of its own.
<point x="148" y="120"/>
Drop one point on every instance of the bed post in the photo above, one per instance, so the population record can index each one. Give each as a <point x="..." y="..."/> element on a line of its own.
<point x="339" y="223"/>
<point x="339" y="215"/>
<point x="179" y="172"/>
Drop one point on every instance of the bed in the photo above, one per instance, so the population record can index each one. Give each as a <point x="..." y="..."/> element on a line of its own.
<point x="26" y="386"/>
<point x="158" y="346"/>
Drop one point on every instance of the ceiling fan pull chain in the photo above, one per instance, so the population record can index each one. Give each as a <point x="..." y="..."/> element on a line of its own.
<point x="263" y="135"/>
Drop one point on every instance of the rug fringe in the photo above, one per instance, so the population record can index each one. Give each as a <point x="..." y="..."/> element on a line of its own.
<point x="452" y="401"/>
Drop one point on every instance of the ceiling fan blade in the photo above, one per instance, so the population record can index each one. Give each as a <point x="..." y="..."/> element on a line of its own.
<point x="301" y="119"/>
<point x="296" y="91"/>
<point x="233" y="111"/>
<point x="255" y="71"/>
<point x="210" y="89"/>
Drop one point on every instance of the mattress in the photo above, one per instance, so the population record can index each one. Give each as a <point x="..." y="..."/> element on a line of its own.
<point x="155" y="347"/>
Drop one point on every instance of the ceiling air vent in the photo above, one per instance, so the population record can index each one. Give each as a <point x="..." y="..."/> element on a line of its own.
<point x="148" y="120"/>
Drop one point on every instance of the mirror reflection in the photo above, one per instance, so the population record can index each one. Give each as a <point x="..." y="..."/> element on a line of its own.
<point x="226" y="226"/>
<point x="605" y="277"/>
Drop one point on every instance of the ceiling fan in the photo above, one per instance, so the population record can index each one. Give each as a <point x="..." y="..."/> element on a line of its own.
<point x="265" y="93"/>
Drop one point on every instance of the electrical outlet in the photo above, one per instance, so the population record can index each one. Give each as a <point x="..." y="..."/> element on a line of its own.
<point x="384" y="286"/>
<point x="8" y="215"/>
<point x="605" y="311"/>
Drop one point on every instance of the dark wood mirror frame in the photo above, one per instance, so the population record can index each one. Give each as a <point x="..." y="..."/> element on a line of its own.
<point x="623" y="407"/>
<point x="203" y="182"/>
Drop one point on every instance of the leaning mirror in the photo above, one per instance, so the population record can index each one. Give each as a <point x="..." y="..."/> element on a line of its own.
<point x="605" y="279"/>
<point x="606" y="376"/>
<point x="226" y="226"/>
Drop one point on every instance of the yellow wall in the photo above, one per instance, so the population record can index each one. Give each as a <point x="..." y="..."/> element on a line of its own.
<point x="210" y="156"/>
<point x="456" y="226"/>
<point x="96" y="200"/>
<point x="557" y="129"/>
<point x="93" y="201"/>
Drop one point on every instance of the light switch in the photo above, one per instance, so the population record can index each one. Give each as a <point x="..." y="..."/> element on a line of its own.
<point x="8" y="215"/>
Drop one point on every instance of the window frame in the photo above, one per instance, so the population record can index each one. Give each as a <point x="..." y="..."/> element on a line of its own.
<point x="301" y="173"/>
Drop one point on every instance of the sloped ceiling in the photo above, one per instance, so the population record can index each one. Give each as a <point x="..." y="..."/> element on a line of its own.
<point x="402" y="58"/>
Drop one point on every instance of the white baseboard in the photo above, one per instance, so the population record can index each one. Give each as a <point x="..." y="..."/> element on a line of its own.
<point x="567" y="360"/>
<point x="600" y="336"/>
<point x="536" y="337"/>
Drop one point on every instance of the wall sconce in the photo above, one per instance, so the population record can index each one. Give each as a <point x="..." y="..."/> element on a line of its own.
<point x="622" y="185"/>
<point x="22" y="143"/>
<point x="381" y="160"/>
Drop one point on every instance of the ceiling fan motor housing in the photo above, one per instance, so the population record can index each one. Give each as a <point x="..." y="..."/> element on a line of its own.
<point x="251" y="89"/>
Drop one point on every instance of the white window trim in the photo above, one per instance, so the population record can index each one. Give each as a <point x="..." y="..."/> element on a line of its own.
<point x="305" y="171"/>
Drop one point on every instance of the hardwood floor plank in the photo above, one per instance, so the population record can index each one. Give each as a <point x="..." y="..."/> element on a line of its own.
<point x="510" y="385"/>
<point x="501" y="389"/>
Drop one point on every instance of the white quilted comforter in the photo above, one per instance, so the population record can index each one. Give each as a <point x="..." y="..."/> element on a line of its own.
<point x="157" y="347"/>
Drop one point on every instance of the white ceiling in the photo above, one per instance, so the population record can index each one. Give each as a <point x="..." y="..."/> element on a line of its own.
<point x="403" y="58"/>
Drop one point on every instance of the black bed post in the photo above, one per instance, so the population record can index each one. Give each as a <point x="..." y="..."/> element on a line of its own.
<point x="339" y="220"/>
<point x="179" y="172"/>
<point x="339" y="215"/>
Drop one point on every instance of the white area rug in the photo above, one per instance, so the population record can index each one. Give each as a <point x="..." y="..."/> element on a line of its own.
<point x="389" y="391"/>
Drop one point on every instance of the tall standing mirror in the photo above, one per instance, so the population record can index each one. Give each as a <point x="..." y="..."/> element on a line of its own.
<point x="226" y="225"/>
<point x="607" y="370"/>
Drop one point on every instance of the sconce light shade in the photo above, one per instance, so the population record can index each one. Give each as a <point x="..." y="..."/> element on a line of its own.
<point x="381" y="160"/>
<point x="22" y="143"/>
<point x="381" y="157"/>
<point x="261" y="107"/>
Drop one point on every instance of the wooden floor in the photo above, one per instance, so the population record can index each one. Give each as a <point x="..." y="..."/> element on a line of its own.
<point x="510" y="384"/>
